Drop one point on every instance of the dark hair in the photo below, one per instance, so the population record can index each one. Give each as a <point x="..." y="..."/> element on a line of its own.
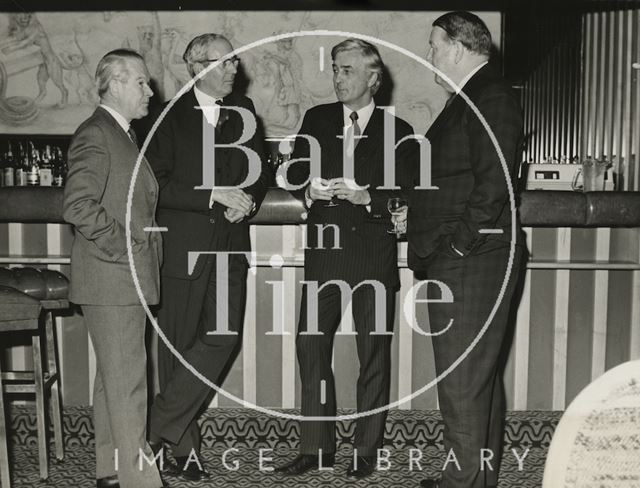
<point x="113" y="65"/>
<point x="468" y="29"/>
<point x="370" y="54"/>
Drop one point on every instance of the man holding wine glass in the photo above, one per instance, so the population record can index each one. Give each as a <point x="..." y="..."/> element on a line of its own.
<point x="348" y="248"/>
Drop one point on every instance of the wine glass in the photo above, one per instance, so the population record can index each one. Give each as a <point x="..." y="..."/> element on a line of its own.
<point x="395" y="206"/>
<point x="331" y="203"/>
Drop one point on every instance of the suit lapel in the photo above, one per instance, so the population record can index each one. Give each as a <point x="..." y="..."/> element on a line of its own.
<point x="335" y="133"/>
<point x="371" y="141"/>
<point x="443" y="116"/>
<point x="458" y="102"/>
<point x="191" y="116"/>
<point x="126" y="142"/>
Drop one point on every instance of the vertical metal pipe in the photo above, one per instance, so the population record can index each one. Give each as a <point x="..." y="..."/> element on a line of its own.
<point x="625" y="131"/>
<point x="634" y="169"/>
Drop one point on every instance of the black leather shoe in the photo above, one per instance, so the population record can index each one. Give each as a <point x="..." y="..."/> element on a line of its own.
<point x="156" y="446"/>
<point x="430" y="483"/>
<point x="305" y="462"/>
<point x="191" y="471"/>
<point x="362" y="467"/>
<point x="108" y="482"/>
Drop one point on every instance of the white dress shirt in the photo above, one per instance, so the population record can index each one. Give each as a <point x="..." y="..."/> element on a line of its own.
<point x="211" y="110"/>
<point x="122" y="122"/>
<point x="469" y="75"/>
<point x="364" y="114"/>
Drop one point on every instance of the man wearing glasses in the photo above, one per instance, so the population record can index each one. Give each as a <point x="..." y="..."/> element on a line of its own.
<point x="203" y="221"/>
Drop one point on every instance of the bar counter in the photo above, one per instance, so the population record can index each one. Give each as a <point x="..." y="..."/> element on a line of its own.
<point x="579" y="312"/>
<point x="537" y="208"/>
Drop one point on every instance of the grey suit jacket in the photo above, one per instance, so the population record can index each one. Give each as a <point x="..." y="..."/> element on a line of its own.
<point x="101" y="162"/>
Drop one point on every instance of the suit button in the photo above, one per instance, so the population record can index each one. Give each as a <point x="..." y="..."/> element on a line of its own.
<point x="212" y="220"/>
<point x="353" y="229"/>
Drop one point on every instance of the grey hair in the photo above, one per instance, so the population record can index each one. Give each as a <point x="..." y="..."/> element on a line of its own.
<point x="113" y="66"/>
<point x="369" y="52"/>
<point x="197" y="49"/>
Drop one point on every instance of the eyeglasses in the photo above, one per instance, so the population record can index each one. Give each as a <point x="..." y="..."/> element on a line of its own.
<point x="226" y="64"/>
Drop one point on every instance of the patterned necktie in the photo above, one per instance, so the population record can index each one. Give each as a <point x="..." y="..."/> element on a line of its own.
<point x="356" y="128"/>
<point x="132" y="136"/>
<point x="223" y="115"/>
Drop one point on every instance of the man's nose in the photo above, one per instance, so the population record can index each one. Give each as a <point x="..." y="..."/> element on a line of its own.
<point x="429" y="56"/>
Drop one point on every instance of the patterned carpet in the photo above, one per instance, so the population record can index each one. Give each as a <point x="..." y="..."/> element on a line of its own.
<point x="248" y="432"/>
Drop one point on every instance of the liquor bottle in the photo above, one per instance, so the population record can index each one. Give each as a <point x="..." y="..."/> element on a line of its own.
<point x="33" y="173"/>
<point x="46" y="167"/>
<point x="55" y="167"/>
<point x="22" y="163"/>
<point x="59" y="168"/>
<point x="9" y="168"/>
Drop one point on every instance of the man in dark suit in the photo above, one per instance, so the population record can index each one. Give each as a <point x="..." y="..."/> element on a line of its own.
<point x="202" y="221"/>
<point x="348" y="242"/>
<point x="102" y="156"/>
<point x="460" y="235"/>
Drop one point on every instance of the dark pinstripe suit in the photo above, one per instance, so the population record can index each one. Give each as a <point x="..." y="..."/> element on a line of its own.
<point x="367" y="252"/>
<point x="472" y="196"/>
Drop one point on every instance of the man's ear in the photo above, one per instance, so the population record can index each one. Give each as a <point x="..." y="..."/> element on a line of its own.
<point x="458" y="51"/>
<point x="196" y="68"/>
<point x="373" y="78"/>
<point x="113" y="88"/>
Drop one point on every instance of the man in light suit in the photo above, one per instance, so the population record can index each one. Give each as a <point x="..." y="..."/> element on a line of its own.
<point x="365" y="250"/>
<point x="200" y="220"/>
<point x="460" y="235"/>
<point x="102" y="156"/>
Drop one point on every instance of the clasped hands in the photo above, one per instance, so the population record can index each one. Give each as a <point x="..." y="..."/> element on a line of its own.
<point x="341" y="188"/>
<point x="239" y="204"/>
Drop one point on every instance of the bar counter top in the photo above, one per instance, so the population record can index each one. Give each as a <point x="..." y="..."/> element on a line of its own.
<point x="537" y="208"/>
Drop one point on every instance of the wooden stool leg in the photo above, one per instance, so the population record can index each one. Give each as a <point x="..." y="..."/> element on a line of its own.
<point x="5" y="475"/>
<point x="55" y="390"/>
<point x="40" y="407"/>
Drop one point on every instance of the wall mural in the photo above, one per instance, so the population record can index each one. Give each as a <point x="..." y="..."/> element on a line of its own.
<point x="47" y="61"/>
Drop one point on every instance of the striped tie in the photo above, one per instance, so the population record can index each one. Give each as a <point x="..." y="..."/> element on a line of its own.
<point x="356" y="128"/>
<point x="132" y="136"/>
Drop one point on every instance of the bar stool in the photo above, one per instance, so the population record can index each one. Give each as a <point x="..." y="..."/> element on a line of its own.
<point x="28" y="298"/>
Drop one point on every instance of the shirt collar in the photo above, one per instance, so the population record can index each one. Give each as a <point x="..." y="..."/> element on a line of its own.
<point x="205" y="100"/>
<point x="122" y="122"/>
<point x="364" y="114"/>
<point x="469" y="75"/>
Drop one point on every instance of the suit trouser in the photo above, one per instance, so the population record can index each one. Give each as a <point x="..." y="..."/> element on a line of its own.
<point x="187" y="313"/>
<point x="314" y="358"/>
<point x="120" y="394"/>
<point x="471" y="396"/>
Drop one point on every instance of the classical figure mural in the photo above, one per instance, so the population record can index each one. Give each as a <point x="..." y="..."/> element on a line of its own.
<point x="47" y="62"/>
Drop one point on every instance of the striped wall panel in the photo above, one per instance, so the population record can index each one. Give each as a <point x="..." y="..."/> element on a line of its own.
<point x="570" y="326"/>
<point x="582" y="98"/>
<point x="611" y="102"/>
<point x="549" y="96"/>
